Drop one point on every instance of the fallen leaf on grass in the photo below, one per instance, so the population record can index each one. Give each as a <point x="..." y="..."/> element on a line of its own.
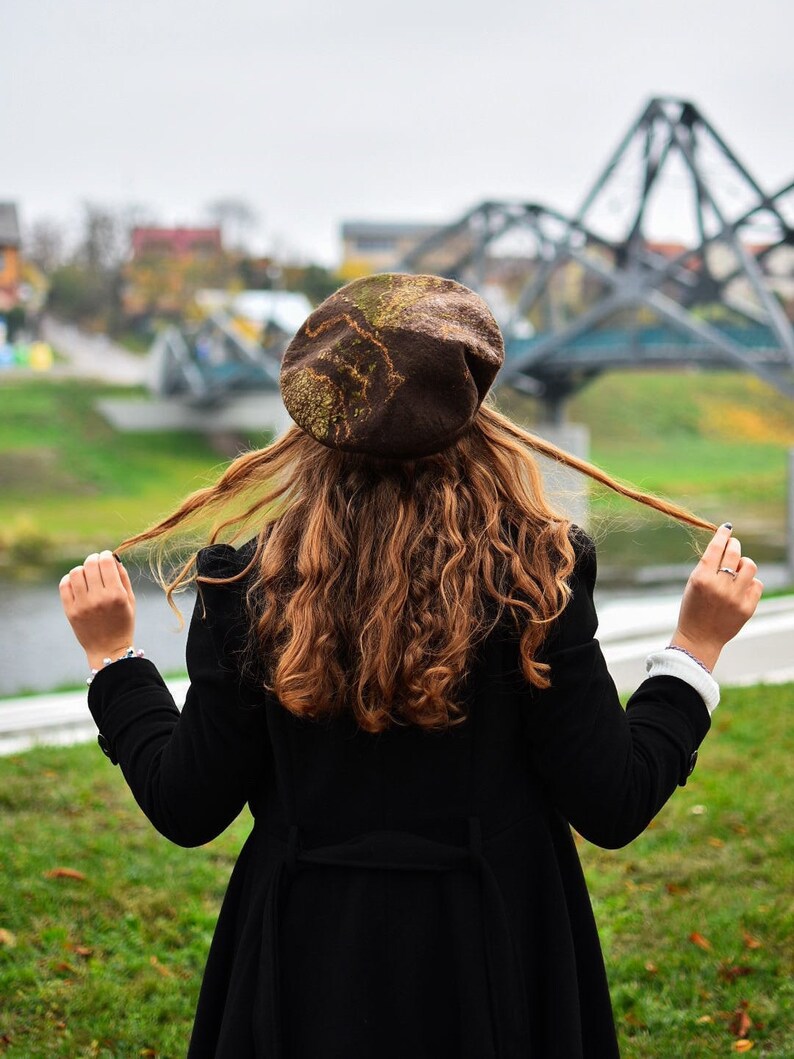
<point x="676" y="888"/>
<point x="82" y="950"/>
<point x="7" y="937"/>
<point x="730" y="974"/>
<point x="651" y="968"/>
<point x="740" y="829"/>
<point x="698" y="810"/>
<point x="743" y="1046"/>
<point x="160" y="968"/>
<point x="700" y="941"/>
<point x="64" y="873"/>
<point x="741" y="1023"/>
<point x="148" y="1052"/>
<point x="64" y="967"/>
<point x="704" y="1019"/>
<point x="750" y="942"/>
<point x="717" y="843"/>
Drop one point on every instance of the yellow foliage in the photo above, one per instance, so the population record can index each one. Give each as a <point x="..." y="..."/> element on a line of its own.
<point x="355" y="268"/>
<point x="725" y="421"/>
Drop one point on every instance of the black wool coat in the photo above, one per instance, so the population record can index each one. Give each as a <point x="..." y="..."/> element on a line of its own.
<point x="405" y="894"/>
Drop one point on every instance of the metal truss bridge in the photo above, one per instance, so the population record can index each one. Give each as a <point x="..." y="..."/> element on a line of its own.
<point x="581" y="295"/>
<point x="212" y="365"/>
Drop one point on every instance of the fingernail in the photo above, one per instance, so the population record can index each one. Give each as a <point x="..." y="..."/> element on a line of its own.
<point x="728" y="525"/>
<point x="117" y="559"/>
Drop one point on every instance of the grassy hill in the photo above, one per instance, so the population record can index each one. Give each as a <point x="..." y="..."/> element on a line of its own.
<point x="716" y="442"/>
<point x="70" y="483"/>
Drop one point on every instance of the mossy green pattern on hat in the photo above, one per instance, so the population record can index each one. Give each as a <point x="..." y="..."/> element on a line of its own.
<point x="392" y="365"/>
<point x="385" y="303"/>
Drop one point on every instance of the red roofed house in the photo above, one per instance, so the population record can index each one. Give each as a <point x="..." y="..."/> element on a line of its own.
<point x="176" y="242"/>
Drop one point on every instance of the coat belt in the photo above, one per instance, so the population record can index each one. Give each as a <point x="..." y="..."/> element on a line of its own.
<point x="403" y="851"/>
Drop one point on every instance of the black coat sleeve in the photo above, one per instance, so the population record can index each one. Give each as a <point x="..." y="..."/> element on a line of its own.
<point x="190" y="772"/>
<point x="608" y="770"/>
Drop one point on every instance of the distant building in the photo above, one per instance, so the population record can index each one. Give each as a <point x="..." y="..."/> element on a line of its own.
<point x="176" y="242"/>
<point x="379" y="246"/>
<point x="167" y="266"/>
<point x="9" y="256"/>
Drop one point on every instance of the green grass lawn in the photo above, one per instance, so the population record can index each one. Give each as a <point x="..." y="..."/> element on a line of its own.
<point x="696" y="915"/>
<point x="714" y="442"/>
<point x="69" y="482"/>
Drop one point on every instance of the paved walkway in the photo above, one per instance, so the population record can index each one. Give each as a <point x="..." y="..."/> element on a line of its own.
<point x="762" y="653"/>
<point x="94" y="356"/>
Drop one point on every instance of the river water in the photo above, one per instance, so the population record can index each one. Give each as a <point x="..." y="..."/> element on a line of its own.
<point x="39" y="653"/>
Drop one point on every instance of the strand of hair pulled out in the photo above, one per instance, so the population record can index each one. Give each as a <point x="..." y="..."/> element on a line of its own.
<point x="372" y="581"/>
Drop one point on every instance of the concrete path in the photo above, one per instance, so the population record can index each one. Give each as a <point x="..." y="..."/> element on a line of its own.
<point x="94" y="356"/>
<point x="630" y="629"/>
<point x="60" y="719"/>
<point x="763" y="652"/>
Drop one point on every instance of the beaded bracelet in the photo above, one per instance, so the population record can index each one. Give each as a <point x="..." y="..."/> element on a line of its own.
<point x="129" y="653"/>
<point x="683" y="650"/>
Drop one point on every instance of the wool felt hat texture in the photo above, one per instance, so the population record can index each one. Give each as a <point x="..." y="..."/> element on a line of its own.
<point x="392" y="365"/>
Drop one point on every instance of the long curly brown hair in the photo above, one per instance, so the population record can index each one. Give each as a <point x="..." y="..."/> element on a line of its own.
<point x="373" y="581"/>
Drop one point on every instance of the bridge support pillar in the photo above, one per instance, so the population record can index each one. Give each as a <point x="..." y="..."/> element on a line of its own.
<point x="566" y="489"/>
<point x="554" y="410"/>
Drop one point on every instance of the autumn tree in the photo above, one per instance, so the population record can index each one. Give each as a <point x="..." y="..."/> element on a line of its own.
<point x="45" y="244"/>
<point x="85" y="288"/>
<point x="236" y="218"/>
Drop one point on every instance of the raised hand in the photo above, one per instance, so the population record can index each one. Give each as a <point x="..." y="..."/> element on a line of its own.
<point x="720" y="597"/>
<point x="99" y="604"/>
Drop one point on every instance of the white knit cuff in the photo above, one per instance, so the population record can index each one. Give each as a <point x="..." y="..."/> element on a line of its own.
<point x="670" y="663"/>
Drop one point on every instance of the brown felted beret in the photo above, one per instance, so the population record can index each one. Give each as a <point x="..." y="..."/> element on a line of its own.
<point x="392" y="365"/>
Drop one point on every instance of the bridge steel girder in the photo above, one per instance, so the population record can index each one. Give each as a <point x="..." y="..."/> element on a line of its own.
<point x="177" y="371"/>
<point x="635" y="292"/>
<point x="632" y="275"/>
<point x="778" y="321"/>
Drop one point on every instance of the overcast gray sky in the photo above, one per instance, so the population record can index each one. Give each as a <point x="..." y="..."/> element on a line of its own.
<point x="317" y="112"/>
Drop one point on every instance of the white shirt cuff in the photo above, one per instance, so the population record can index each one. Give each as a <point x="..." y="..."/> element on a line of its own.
<point x="668" y="663"/>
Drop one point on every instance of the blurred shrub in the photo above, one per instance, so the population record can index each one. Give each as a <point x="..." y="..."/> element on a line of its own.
<point x="24" y="544"/>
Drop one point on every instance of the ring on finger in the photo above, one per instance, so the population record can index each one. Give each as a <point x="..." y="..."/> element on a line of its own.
<point x="727" y="570"/>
